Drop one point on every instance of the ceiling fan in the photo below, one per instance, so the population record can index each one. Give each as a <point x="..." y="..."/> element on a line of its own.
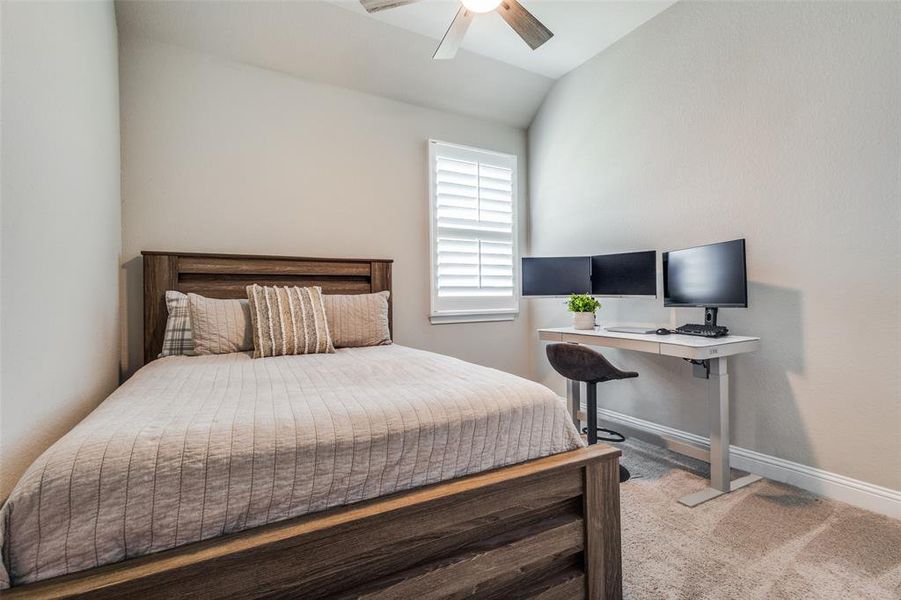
<point x="531" y="30"/>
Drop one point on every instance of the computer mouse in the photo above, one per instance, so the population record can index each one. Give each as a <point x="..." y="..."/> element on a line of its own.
<point x="663" y="331"/>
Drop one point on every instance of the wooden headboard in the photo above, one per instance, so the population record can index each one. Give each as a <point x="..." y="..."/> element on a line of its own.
<point x="226" y="275"/>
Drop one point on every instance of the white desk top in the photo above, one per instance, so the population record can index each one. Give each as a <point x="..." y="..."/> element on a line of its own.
<point x="684" y="346"/>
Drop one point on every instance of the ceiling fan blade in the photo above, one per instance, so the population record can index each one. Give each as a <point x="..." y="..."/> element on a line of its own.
<point x="531" y="30"/>
<point x="454" y="36"/>
<point x="377" y="5"/>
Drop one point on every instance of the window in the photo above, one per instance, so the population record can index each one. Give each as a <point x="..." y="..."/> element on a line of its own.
<point x="473" y="234"/>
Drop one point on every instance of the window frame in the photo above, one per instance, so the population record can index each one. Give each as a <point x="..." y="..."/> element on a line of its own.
<point x="438" y="315"/>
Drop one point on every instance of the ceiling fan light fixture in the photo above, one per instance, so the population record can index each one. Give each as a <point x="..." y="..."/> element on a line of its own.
<point x="481" y="6"/>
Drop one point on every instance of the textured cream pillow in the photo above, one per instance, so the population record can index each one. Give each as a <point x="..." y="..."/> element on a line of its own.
<point x="219" y="326"/>
<point x="358" y="319"/>
<point x="288" y="320"/>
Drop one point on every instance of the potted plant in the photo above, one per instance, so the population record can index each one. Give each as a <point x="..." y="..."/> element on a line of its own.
<point x="582" y="306"/>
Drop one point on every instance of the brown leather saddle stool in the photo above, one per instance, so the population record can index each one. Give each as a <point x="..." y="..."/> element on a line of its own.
<point x="581" y="363"/>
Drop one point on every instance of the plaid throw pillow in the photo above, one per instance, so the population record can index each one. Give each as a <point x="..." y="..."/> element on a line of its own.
<point x="177" y="340"/>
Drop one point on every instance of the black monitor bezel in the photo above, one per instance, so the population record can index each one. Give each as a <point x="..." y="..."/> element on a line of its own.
<point x="586" y="290"/>
<point x="609" y="295"/>
<point x="744" y="255"/>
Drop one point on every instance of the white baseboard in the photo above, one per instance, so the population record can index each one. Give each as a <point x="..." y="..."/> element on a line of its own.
<point x="823" y="483"/>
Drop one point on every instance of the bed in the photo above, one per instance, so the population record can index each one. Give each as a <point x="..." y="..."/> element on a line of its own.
<point x="381" y="472"/>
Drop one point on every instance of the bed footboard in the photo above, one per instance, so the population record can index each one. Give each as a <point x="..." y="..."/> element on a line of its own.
<point x="548" y="528"/>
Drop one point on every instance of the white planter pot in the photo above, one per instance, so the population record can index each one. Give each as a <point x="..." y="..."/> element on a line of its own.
<point x="583" y="320"/>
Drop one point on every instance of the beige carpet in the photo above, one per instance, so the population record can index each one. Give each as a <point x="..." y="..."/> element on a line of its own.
<point x="766" y="541"/>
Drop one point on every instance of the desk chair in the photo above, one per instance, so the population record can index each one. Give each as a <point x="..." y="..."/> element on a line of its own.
<point x="581" y="363"/>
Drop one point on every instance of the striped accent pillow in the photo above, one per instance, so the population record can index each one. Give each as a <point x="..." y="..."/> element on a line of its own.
<point x="219" y="326"/>
<point x="358" y="320"/>
<point x="288" y="320"/>
<point x="177" y="339"/>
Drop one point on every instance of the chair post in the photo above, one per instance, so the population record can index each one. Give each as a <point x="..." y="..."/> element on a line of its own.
<point x="592" y="409"/>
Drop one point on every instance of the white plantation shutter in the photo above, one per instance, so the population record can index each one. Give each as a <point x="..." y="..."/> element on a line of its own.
<point x="473" y="233"/>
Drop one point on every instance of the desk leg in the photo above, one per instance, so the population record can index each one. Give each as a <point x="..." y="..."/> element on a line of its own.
<point x="573" y="395"/>
<point x="718" y="414"/>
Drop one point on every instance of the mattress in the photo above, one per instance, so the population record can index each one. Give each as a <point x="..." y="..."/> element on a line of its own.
<point x="191" y="448"/>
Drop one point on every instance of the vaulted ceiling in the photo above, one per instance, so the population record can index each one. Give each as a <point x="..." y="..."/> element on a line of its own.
<point x="495" y="76"/>
<point x="581" y="28"/>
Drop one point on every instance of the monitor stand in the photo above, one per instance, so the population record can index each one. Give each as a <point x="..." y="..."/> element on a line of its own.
<point x="710" y="315"/>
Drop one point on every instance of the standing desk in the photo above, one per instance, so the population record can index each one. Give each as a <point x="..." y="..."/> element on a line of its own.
<point x="710" y="359"/>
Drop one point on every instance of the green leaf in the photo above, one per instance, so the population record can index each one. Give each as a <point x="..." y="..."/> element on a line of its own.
<point x="582" y="303"/>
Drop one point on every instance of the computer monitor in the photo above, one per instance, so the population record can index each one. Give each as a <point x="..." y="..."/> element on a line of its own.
<point x="556" y="276"/>
<point x="628" y="274"/>
<point x="711" y="276"/>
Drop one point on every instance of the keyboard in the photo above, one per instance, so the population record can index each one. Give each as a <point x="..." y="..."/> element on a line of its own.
<point x="711" y="331"/>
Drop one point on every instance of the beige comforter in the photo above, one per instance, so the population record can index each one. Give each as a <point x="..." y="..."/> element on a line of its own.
<point x="191" y="448"/>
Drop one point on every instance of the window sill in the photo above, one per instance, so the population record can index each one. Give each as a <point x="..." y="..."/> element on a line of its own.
<point x="472" y="317"/>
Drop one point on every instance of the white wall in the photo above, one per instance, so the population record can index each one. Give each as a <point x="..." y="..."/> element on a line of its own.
<point x="220" y="156"/>
<point x="777" y="122"/>
<point x="60" y="221"/>
<point x="318" y="41"/>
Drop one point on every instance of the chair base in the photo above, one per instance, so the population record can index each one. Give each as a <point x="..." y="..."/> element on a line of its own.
<point x="624" y="474"/>
<point x="618" y="436"/>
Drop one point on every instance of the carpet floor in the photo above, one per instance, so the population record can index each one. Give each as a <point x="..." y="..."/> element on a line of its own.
<point x="766" y="541"/>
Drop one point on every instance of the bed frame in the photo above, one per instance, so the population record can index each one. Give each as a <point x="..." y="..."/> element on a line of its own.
<point x="227" y="276"/>
<point x="547" y="529"/>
